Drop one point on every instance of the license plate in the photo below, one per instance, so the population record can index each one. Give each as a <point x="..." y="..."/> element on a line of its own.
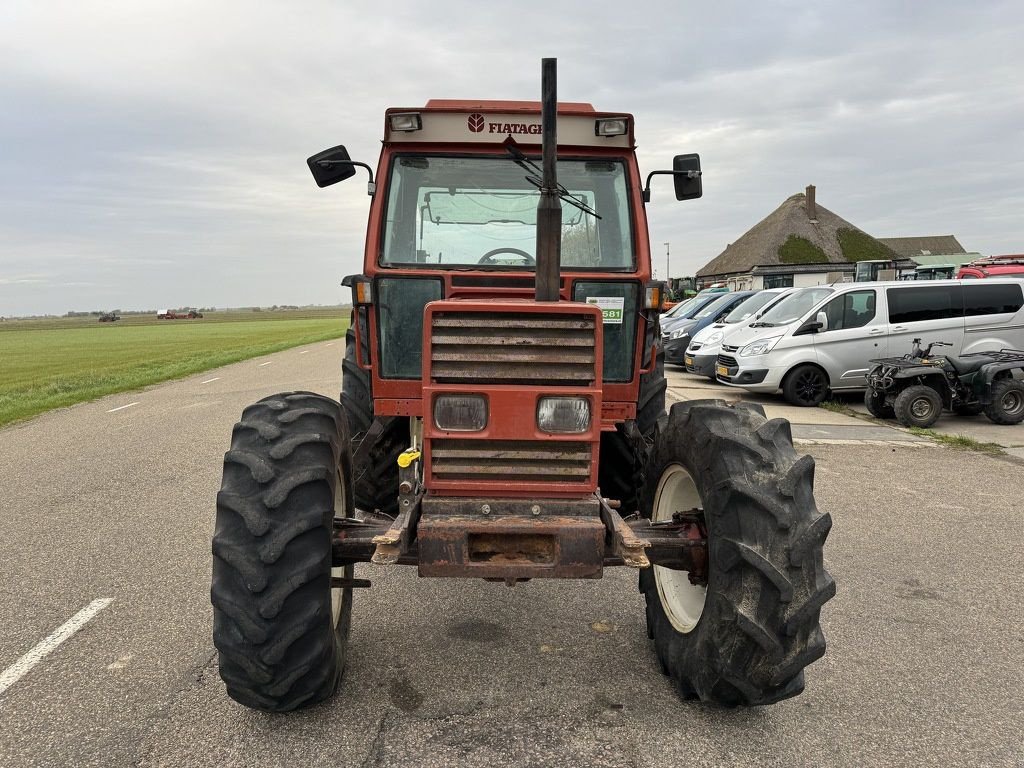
<point x="688" y="360"/>
<point x="722" y="370"/>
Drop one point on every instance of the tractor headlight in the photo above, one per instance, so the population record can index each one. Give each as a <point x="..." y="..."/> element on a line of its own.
<point x="563" y="414"/>
<point x="460" y="413"/>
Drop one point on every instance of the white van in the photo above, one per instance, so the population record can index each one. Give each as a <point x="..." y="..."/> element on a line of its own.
<point x="823" y="338"/>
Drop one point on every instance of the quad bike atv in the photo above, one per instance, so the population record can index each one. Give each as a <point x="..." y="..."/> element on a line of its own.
<point x="502" y="416"/>
<point x="917" y="387"/>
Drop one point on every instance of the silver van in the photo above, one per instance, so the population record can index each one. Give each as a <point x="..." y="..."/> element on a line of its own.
<point x="823" y="338"/>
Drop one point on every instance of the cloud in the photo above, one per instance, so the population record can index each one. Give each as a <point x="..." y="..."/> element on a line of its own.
<point x="157" y="150"/>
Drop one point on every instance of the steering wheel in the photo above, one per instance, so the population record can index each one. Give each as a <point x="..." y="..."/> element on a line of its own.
<point x="487" y="258"/>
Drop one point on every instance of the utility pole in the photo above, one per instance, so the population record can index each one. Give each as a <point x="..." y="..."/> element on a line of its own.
<point x="668" y="274"/>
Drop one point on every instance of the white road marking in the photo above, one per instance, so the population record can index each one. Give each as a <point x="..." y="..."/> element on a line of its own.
<point x="331" y="344"/>
<point x="215" y="378"/>
<point x="266" y="363"/>
<point x="64" y="632"/>
<point x="122" y="407"/>
<point x="304" y="352"/>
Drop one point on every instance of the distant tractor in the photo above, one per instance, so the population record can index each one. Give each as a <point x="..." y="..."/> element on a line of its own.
<point x="502" y="416"/>
<point x="109" y="317"/>
<point x="179" y="314"/>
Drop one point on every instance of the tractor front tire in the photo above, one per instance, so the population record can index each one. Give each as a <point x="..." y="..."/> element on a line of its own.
<point x="375" y="478"/>
<point x="280" y="629"/>
<point x="746" y="637"/>
<point x="624" y="453"/>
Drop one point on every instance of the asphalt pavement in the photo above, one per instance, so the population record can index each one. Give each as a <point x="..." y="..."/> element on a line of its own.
<point x="925" y="664"/>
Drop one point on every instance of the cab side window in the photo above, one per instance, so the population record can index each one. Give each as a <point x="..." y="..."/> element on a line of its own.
<point x="851" y="310"/>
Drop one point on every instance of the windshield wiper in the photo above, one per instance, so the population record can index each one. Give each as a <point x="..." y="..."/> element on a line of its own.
<point x="536" y="177"/>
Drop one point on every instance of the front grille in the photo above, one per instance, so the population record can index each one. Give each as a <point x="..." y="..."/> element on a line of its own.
<point x="727" y="348"/>
<point x="551" y="461"/>
<point x="728" y="361"/>
<point x="505" y="348"/>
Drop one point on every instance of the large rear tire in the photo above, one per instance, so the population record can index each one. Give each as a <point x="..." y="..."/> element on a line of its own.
<point x="624" y="452"/>
<point x="280" y="629"/>
<point x="746" y="637"/>
<point x="375" y="472"/>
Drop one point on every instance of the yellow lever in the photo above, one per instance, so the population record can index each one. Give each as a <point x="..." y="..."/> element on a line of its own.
<point x="407" y="457"/>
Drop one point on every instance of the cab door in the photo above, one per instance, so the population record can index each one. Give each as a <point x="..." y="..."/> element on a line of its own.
<point x="856" y="334"/>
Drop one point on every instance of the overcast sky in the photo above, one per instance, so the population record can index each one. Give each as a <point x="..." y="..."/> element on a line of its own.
<point x="153" y="154"/>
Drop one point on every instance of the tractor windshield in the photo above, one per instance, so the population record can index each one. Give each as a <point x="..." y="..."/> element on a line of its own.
<point x="481" y="212"/>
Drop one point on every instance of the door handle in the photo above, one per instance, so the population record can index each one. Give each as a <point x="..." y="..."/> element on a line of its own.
<point x="899" y="328"/>
<point x="875" y="332"/>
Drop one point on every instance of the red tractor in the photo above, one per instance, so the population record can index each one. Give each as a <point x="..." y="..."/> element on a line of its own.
<point x="502" y="416"/>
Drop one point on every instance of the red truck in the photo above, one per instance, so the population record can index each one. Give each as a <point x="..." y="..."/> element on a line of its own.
<point x="1010" y="265"/>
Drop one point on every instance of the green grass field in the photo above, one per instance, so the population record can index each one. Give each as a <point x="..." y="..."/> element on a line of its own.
<point x="58" y="362"/>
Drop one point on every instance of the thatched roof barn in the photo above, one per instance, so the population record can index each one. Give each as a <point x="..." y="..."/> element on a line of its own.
<point x="930" y="245"/>
<point x="798" y="232"/>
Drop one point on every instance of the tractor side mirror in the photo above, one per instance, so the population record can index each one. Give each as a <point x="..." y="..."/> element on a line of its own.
<point x="686" y="176"/>
<point x="331" y="166"/>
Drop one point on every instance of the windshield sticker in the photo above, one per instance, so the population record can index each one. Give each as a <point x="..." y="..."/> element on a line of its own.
<point x="611" y="308"/>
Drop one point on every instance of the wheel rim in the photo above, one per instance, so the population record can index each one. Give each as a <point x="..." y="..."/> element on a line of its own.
<point x="683" y="602"/>
<point x="1012" y="403"/>
<point x="809" y="386"/>
<point x="340" y="510"/>
<point x="921" y="408"/>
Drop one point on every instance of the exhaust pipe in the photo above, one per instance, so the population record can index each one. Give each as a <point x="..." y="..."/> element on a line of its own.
<point x="549" y="209"/>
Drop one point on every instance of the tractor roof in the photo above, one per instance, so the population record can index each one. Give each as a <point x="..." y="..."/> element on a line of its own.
<point x="480" y="121"/>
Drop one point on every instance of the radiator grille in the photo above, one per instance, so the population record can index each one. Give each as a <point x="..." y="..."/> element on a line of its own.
<point x="503" y="348"/>
<point x="728" y="361"/>
<point x="501" y="460"/>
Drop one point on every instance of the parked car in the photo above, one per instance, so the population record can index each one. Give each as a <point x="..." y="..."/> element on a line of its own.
<point x="828" y="344"/>
<point x="702" y="354"/>
<point x="1011" y="265"/>
<point x="679" y="337"/>
<point x="684" y="312"/>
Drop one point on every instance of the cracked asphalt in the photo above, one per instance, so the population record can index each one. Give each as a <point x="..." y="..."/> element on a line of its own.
<point x="925" y="665"/>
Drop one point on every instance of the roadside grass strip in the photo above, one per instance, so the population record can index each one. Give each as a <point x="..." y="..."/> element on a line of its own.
<point x="42" y="369"/>
<point x="959" y="442"/>
<point x="837" y="407"/>
<point x="52" y="642"/>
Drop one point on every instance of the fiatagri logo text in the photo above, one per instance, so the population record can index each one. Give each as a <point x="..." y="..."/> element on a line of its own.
<point x="477" y="124"/>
